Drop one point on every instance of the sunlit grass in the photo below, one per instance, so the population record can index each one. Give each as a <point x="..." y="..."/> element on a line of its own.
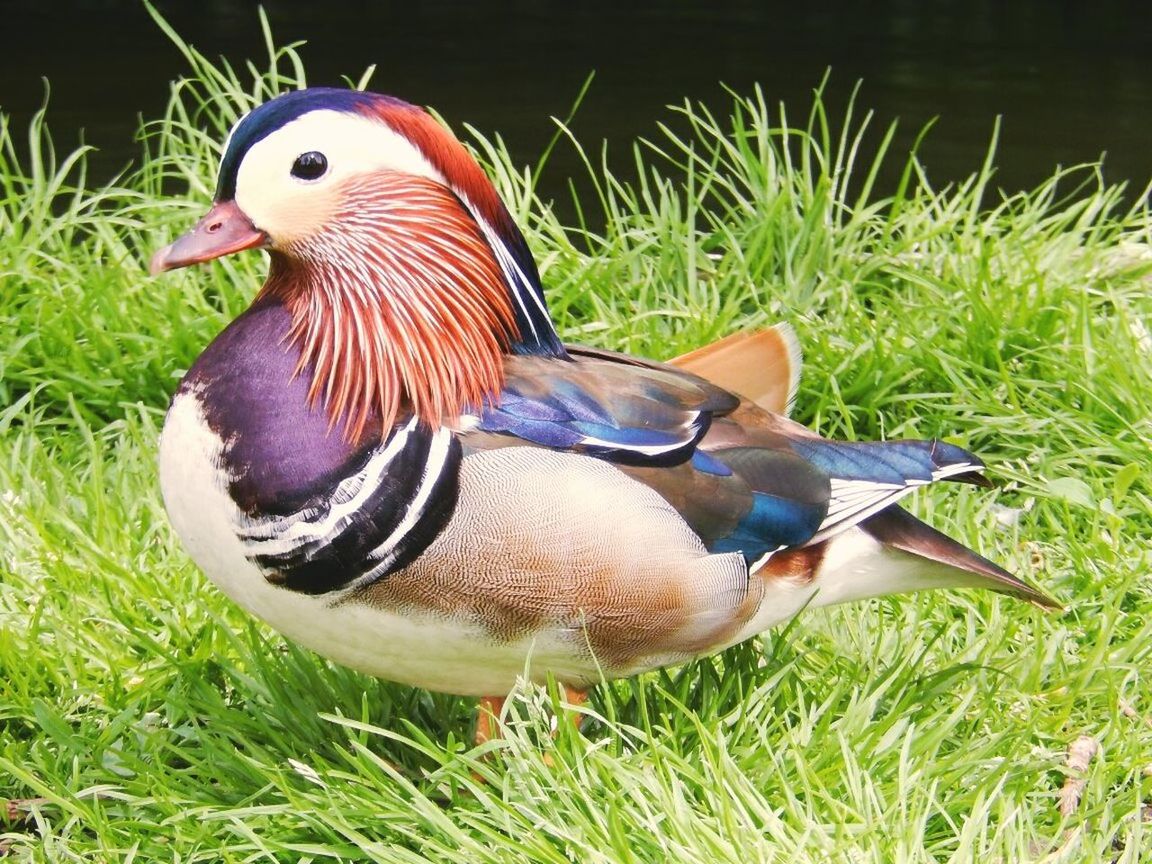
<point x="144" y="718"/>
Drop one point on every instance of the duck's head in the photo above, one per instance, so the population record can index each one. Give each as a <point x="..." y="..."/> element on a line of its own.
<point x="386" y="235"/>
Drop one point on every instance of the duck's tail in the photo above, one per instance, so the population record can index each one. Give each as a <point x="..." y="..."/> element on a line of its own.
<point x="893" y="551"/>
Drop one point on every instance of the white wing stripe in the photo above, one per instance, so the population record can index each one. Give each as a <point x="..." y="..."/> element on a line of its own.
<point x="853" y="501"/>
<point x="691" y="425"/>
<point x="519" y="283"/>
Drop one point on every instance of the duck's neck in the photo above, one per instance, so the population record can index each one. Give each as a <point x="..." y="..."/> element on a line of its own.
<point x="401" y="306"/>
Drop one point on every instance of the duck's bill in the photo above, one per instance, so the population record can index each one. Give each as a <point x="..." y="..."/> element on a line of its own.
<point x="223" y="230"/>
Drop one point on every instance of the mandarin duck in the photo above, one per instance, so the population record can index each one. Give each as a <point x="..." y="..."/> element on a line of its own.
<point x="393" y="459"/>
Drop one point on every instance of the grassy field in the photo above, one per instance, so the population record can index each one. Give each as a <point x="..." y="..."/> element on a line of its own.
<point x="144" y="718"/>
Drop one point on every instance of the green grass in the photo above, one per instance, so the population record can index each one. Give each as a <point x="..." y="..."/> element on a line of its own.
<point x="147" y="719"/>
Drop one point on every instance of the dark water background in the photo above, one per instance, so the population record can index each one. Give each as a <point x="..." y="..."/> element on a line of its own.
<point x="1072" y="80"/>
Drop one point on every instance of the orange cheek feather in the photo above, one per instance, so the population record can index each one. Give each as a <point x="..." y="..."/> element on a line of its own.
<point x="398" y="305"/>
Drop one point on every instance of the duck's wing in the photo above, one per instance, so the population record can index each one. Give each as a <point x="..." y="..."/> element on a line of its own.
<point x="743" y="487"/>
<point x="606" y="406"/>
<point x="743" y="479"/>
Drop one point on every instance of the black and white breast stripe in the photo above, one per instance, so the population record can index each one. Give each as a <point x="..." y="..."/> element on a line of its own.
<point x="368" y="525"/>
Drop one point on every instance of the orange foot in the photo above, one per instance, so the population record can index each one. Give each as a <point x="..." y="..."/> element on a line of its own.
<point x="488" y="718"/>
<point x="489" y="707"/>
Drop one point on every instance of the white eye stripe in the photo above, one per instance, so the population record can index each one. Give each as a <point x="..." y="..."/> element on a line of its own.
<point x="290" y="207"/>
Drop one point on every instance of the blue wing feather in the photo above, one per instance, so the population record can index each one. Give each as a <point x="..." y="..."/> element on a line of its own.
<point x="884" y="462"/>
<point x="630" y="415"/>
<point x="706" y="464"/>
<point x="771" y="523"/>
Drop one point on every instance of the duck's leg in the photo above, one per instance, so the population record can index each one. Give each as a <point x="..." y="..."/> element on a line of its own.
<point x="488" y="718"/>
<point x="575" y="698"/>
<point x="489" y="707"/>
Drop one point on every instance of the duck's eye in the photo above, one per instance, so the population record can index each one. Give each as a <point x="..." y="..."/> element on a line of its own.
<point x="310" y="165"/>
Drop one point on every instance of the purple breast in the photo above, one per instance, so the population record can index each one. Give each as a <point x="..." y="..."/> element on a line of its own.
<point x="279" y="449"/>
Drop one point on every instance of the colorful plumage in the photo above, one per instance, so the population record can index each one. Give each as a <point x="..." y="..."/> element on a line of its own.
<point x="392" y="458"/>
